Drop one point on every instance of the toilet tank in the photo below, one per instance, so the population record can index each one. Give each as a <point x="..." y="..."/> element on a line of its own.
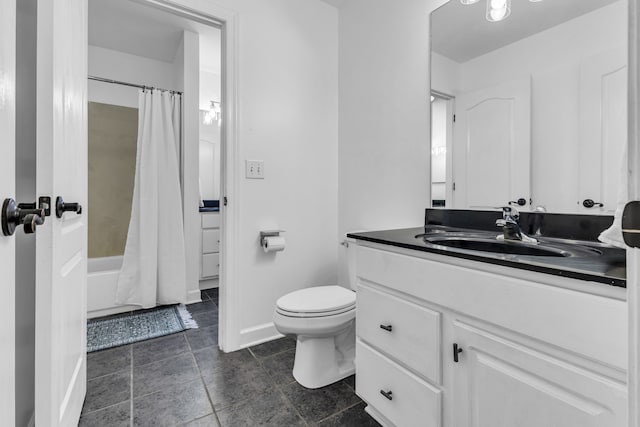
<point x="350" y="258"/>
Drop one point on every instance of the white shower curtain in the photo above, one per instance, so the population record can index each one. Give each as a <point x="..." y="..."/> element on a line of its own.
<point x="154" y="266"/>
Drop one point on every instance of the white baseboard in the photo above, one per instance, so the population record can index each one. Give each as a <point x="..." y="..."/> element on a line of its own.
<point x="194" y="296"/>
<point x="258" y="334"/>
<point x="111" y="310"/>
<point x="209" y="283"/>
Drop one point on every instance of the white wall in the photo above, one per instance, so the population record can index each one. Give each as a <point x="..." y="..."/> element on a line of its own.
<point x="287" y="109"/>
<point x="128" y="68"/>
<point x="552" y="58"/>
<point x="210" y="90"/>
<point x="445" y="74"/>
<point x="384" y="155"/>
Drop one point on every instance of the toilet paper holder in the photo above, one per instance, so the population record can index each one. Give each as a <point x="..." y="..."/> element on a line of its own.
<point x="269" y="233"/>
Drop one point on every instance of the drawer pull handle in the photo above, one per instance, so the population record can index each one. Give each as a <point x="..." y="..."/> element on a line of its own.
<point x="387" y="394"/>
<point x="387" y="328"/>
<point x="456" y="352"/>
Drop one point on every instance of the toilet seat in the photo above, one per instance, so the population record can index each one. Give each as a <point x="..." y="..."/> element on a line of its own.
<point x="319" y="301"/>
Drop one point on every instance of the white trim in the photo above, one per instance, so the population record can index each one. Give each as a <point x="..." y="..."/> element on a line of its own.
<point x="111" y="310"/>
<point x="258" y="334"/>
<point x="204" y="11"/>
<point x="194" y="296"/>
<point x="633" y="255"/>
<point x="8" y="21"/>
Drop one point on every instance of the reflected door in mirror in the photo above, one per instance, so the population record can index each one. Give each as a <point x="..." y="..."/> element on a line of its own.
<point x="492" y="146"/>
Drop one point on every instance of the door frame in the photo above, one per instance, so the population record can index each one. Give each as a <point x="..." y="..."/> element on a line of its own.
<point x="8" y="19"/>
<point x="206" y="12"/>
<point x="633" y="255"/>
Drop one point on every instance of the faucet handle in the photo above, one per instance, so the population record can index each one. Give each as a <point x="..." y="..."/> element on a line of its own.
<point x="509" y="212"/>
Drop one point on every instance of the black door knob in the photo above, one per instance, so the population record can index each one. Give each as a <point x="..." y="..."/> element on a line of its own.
<point x="31" y="221"/>
<point x="62" y="207"/>
<point x="589" y="203"/>
<point x="520" y="202"/>
<point x="26" y="214"/>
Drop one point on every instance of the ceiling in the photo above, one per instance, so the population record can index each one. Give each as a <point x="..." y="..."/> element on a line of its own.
<point x="335" y="3"/>
<point x="462" y="32"/>
<point x="133" y="28"/>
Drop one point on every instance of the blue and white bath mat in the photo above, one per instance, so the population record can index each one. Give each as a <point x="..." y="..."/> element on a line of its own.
<point x="128" y="328"/>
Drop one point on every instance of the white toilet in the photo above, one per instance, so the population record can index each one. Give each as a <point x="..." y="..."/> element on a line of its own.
<point x="323" y="319"/>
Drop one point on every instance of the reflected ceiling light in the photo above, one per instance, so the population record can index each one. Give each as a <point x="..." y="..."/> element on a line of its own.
<point x="214" y="113"/>
<point x="497" y="10"/>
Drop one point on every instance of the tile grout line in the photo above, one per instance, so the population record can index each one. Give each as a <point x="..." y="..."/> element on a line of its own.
<point x="131" y="387"/>
<point x="106" y="375"/>
<point x="206" y="389"/>
<point x="304" y="420"/>
<point x="166" y="358"/>
<point x="84" y="414"/>
<point x="339" y="412"/>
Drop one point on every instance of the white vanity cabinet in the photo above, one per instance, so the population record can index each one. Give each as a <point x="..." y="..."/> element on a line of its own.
<point x="536" y="349"/>
<point x="210" y="245"/>
<point x="499" y="382"/>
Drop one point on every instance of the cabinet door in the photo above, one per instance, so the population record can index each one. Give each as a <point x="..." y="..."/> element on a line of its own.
<point x="499" y="383"/>
<point x="210" y="241"/>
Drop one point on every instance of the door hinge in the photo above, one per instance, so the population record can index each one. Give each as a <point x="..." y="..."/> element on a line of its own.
<point x="224" y="201"/>
<point x="454" y="118"/>
<point x="454" y="186"/>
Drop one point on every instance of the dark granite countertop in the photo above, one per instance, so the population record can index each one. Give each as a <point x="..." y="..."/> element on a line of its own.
<point x="210" y="206"/>
<point x="608" y="268"/>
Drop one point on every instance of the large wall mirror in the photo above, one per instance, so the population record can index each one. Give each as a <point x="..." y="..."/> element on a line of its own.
<point x="538" y="90"/>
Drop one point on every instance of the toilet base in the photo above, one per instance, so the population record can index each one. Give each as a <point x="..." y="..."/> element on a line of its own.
<point x="323" y="361"/>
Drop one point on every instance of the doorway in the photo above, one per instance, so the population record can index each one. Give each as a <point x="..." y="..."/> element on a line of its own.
<point x="442" y="119"/>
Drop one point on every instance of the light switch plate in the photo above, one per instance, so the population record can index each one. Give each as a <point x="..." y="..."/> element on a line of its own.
<point x="255" y="169"/>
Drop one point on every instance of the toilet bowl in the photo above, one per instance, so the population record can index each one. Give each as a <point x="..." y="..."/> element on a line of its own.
<point x="323" y="320"/>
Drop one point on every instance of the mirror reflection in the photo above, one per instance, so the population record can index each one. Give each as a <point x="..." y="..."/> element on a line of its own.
<point x="529" y="109"/>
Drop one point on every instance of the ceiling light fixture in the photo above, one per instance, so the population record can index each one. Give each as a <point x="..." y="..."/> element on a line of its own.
<point x="497" y="10"/>
<point x="214" y="113"/>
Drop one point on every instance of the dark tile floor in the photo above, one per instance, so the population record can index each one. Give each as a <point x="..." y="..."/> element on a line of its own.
<point x="185" y="380"/>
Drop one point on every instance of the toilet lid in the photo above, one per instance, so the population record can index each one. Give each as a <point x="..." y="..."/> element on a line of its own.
<point x="319" y="299"/>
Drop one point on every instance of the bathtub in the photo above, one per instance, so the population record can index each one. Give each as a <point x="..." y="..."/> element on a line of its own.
<point x="102" y="281"/>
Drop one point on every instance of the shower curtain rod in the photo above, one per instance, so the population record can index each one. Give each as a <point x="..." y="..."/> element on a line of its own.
<point x="117" y="82"/>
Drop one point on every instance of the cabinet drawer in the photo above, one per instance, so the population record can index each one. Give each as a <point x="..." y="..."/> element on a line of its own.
<point x="414" y="335"/>
<point x="210" y="220"/>
<point x="210" y="241"/>
<point x="413" y="401"/>
<point x="210" y="265"/>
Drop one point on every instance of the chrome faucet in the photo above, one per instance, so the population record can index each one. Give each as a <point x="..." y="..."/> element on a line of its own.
<point x="510" y="226"/>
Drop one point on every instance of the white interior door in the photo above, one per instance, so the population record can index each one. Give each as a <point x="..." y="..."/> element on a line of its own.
<point x="603" y="129"/>
<point x="492" y="146"/>
<point x="61" y="242"/>
<point x="7" y="189"/>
